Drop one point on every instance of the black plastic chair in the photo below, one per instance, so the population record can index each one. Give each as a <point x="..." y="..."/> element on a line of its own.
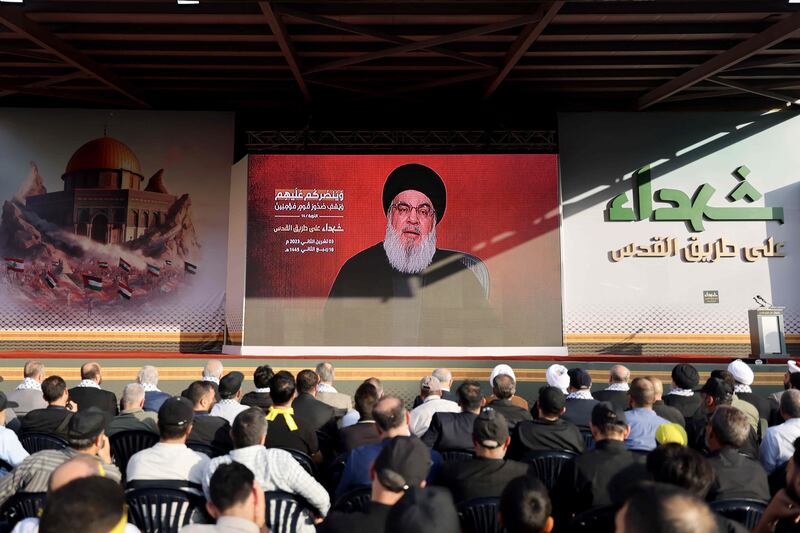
<point x="201" y="448"/>
<point x="588" y="438"/>
<point x="546" y="465"/>
<point x="353" y="500"/>
<point x="126" y="443"/>
<point x="164" y="510"/>
<point x="598" y="520"/>
<point x="303" y="458"/>
<point x="36" y="442"/>
<point x="20" y="506"/>
<point x="285" y="511"/>
<point x="745" y="511"/>
<point x="480" y="515"/>
<point x="455" y="456"/>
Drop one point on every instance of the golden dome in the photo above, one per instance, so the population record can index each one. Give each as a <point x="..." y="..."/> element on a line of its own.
<point x="104" y="153"/>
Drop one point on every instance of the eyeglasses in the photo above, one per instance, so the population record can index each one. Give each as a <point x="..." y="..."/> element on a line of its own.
<point x="423" y="210"/>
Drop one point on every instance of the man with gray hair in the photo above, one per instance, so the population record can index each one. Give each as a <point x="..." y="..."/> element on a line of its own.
<point x="504" y="389"/>
<point x="778" y="444"/>
<point x="327" y="393"/>
<point x="617" y="390"/>
<point x="153" y="398"/>
<point x="431" y="392"/>
<point x="736" y="476"/>
<point x="445" y="378"/>
<point x="28" y="394"/>
<point x="133" y="417"/>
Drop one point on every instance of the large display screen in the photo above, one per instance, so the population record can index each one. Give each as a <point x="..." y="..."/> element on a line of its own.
<point x="446" y="250"/>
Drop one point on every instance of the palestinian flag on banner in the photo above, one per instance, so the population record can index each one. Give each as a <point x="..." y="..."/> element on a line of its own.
<point x="17" y="265"/>
<point x="124" y="265"/>
<point x="168" y="262"/>
<point x="124" y="291"/>
<point x="189" y="268"/>
<point x="92" y="283"/>
<point x="50" y="280"/>
<point x="153" y="270"/>
<point x="102" y="264"/>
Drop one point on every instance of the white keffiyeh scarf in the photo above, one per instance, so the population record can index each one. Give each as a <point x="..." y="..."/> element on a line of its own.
<point x="677" y="391"/>
<point x="624" y="387"/>
<point x="324" y="387"/>
<point x="89" y="383"/>
<point x="580" y="395"/>
<point x="149" y="387"/>
<point x="264" y="390"/>
<point x="29" y="384"/>
<point x="742" y="388"/>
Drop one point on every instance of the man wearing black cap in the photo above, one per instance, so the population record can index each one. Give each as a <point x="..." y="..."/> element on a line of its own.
<point x="579" y="401"/>
<point x="548" y="431"/>
<point x="402" y="464"/>
<point x="432" y="290"/>
<point x="604" y="475"/>
<point x="681" y="396"/>
<point x="430" y="509"/>
<point x="230" y="391"/>
<point x="86" y="438"/>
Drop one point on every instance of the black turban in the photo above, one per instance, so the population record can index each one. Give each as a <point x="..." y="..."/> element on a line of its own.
<point x="416" y="177"/>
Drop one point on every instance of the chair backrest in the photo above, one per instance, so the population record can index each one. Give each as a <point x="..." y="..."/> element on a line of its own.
<point x="20" y="506"/>
<point x="285" y="511"/>
<point x="547" y="465"/>
<point x="126" y="443"/>
<point x="745" y="511"/>
<point x="353" y="500"/>
<point x="588" y="438"/>
<point x="456" y="456"/>
<point x="334" y="471"/>
<point x="201" y="448"/>
<point x="303" y="458"/>
<point x="163" y="510"/>
<point x="598" y="520"/>
<point x="480" y="515"/>
<point x="36" y="442"/>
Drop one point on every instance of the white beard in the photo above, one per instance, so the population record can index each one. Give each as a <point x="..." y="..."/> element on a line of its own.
<point x="409" y="259"/>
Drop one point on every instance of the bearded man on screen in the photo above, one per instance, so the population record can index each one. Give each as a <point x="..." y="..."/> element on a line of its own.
<point x="405" y="290"/>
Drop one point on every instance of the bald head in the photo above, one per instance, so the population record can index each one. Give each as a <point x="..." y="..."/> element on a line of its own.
<point x="79" y="467"/>
<point x="642" y="393"/>
<point x="389" y="414"/>
<point x="213" y="369"/>
<point x="619" y="374"/>
<point x="658" y="387"/>
<point x="91" y="371"/>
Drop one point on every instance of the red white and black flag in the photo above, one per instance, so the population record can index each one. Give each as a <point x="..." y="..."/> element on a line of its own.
<point x="102" y="264"/>
<point x="189" y="267"/>
<point x="17" y="265"/>
<point x="92" y="283"/>
<point x="124" y="291"/>
<point x="124" y="265"/>
<point x="50" y="280"/>
<point x="153" y="270"/>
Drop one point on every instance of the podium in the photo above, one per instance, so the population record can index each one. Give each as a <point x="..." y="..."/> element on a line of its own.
<point x="767" y="338"/>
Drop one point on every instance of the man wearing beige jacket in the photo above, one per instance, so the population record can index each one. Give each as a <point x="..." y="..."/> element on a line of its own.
<point x="326" y="393"/>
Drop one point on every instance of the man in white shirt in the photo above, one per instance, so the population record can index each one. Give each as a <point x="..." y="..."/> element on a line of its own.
<point x="778" y="444"/>
<point x="230" y="391"/>
<point x="28" y="394"/>
<point x="11" y="451"/>
<point x="430" y="391"/>
<point x="170" y="459"/>
<point x="274" y="469"/>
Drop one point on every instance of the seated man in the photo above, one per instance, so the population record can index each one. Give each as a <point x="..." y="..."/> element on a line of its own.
<point x="364" y="431"/>
<point x="133" y="417"/>
<point x="671" y="508"/>
<point x="285" y="430"/>
<point x="403" y="463"/>
<point x="260" y="396"/>
<point x="504" y="390"/>
<point x="777" y="446"/>
<point x="488" y="473"/>
<point x="89" y="394"/>
<point x="28" y="394"/>
<point x="445" y="378"/>
<point x="525" y="507"/>
<point x="352" y="415"/>
<point x="505" y="370"/>
<point x="432" y="402"/>
<point x="663" y="410"/>
<point x="421" y="509"/>
<point x="580" y="402"/>
<point x="618" y="386"/>
<point x="212" y="432"/>
<point x="391" y="418"/>
<point x="86" y="438"/>
<point x="236" y="500"/>
<point x="170" y="459"/>
<point x="314" y="413"/>
<point x="274" y="469"/>
<point x="681" y="396"/>
<point x="230" y="390"/>
<point x="11" y="451"/>
<point x="642" y="420"/>
<point x="91" y="504"/>
<point x="453" y="431"/>
<point x="148" y="379"/>
<point x="327" y="393"/>
<point x="549" y="431"/>
<point x="783" y="511"/>
<point x="53" y="419"/>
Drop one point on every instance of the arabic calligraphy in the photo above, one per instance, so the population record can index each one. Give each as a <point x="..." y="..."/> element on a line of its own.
<point x="333" y="195"/>
<point x="303" y="228"/>
<point x="690" y="210"/>
<point x="696" y="252"/>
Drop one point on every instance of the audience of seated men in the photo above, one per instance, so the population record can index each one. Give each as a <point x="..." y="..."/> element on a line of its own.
<point x="285" y="429"/>
<point x="783" y="511"/>
<point x="505" y="370"/>
<point x="735" y="476"/>
<point x="260" y="396"/>
<point x="11" y="451"/>
<point x="153" y="397"/>
<point x="170" y="460"/>
<point x="391" y="418"/>
<point x="364" y="431"/>
<point x="28" y="394"/>
<point x="601" y="476"/>
<point x="504" y="390"/>
<point x="53" y="419"/>
<point x="525" y="506"/>
<point x="210" y="432"/>
<point x="352" y="415"/>
<point x="743" y="377"/>
<point x="681" y="396"/>
<point x="669" y="507"/>
<point x="230" y="390"/>
<point x="746" y="407"/>
<point x="662" y="409"/>
<point x="445" y="378"/>
<point x="236" y="500"/>
<point x="85" y="437"/>
<point x="580" y="401"/>
<point x="88" y="393"/>
<point x="642" y="419"/>
<point x="548" y="431"/>
<point x="452" y="432"/>
<point x="327" y="393"/>
<point x="91" y="504"/>
<point x="133" y="417"/>
<point x="274" y="469"/>
<point x="430" y="388"/>
<point x="402" y="463"/>
<point x="618" y="386"/>
<point x="489" y="472"/>
<point x="778" y="444"/>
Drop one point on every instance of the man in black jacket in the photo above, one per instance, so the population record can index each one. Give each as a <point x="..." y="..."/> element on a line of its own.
<point x="453" y="431"/>
<point x="89" y="394"/>
<point x="663" y="410"/>
<point x="365" y="431"/>
<point x="260" y="396"/>
<point x="504" y="389"/>
<point x="617" y="390"/>
<point x="212" y="432"/>
<point x="580" y="402"/>
<point x="548" y="431"/>
<point x="314" y="414"/>
<point x="54" y="418"/>
<point x="682" y="396"/>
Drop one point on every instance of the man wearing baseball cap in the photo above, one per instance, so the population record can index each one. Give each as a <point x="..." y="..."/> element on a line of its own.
<point x="430" y="389"/>
<point x="230" y="391"/>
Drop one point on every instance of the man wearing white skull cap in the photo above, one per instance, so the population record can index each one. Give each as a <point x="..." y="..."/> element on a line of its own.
<point x="743" y="375"/>
<point x="557" y="377"/>
<point x="505" y="370"/>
